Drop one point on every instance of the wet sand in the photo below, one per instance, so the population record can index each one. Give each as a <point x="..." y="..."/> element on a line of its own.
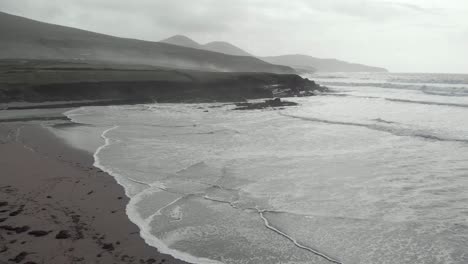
<point x="55" y="207"/>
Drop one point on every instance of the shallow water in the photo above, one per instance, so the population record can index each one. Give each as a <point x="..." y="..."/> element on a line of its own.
<point x="374" y="173"/>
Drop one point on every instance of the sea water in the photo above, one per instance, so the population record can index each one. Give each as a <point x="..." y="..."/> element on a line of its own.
<point x="374" y="173"/>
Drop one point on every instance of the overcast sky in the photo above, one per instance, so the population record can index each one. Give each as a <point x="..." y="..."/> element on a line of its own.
<point x="401" y="35"/>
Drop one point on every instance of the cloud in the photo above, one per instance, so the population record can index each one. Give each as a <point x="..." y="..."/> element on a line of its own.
<point x="180" y="15"/>
<point x="374" y="10"/>
<point x="399" y="34"/>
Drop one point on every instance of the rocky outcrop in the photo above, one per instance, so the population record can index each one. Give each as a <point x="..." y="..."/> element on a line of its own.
<point x="275" y="103"/>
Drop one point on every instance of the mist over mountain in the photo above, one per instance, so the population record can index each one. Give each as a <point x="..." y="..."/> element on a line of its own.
<point x="301" y="63"/>
<point x="24" y="38"/>
<point x="215" y="46"/>
<point x="225" y="47"/>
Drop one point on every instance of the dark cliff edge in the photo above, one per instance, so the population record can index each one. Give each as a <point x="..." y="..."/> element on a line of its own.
<point x="49" y="81"/>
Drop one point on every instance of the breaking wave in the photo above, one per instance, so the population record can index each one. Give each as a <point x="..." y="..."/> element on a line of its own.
<point x="397" y="131"/>
<point x="424" y="88"/>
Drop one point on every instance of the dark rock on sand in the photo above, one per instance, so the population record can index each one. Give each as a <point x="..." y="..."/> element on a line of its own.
<point x="3" y="220"/>
<point x="39" y="233"/>
<point x="4" y="249"/>
<point x="78" y="227"/>
<point x="63" y="235"/>
<point x="108" y="247"/>
<point x="262" y="105"/>
<point x="19" y="258"/>
<point x="17" y="230"/>
<point x="17" y="212"/>
<point x="3" y="204"/>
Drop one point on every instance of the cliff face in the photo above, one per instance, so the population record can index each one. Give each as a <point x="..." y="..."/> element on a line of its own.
<point x="39" y="81"/>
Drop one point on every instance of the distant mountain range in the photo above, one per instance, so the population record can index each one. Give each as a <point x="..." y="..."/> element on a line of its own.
<point x="23" y="38"/>
<point x="215" y="46"/>
<point x="301" y="63"/>
<point x="305" y="63"/>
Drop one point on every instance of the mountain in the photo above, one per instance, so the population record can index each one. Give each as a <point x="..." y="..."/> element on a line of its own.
<point x="23" y="38"/>
<point x="183" y="41"/>
<point x="301" y="63"/>
<point x="304" y="63"/>
<point x="215" y="46"/>
<point x="226" y="48"/>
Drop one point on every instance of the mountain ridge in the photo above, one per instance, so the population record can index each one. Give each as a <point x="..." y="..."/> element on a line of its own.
<point x="301" y="63"/>
<point x="214" y="46"/>
<point x="24" y="38"/>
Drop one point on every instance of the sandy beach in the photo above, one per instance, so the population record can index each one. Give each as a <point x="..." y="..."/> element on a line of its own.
<point x="55" y="207"/>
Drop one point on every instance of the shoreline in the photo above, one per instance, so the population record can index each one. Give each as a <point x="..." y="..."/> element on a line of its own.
<point x="60" y="208"/>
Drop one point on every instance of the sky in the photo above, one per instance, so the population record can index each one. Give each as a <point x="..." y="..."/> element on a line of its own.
<point x="400" y="35"/>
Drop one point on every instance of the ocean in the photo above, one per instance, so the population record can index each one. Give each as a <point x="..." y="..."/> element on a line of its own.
<point x="375" y="172"/>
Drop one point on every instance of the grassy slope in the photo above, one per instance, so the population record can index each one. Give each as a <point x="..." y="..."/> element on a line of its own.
<point x="29" y="39"/>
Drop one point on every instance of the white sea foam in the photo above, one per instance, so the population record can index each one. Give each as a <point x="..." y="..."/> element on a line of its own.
<point x="134" y="216"/>
<point x="316" y="252"/>
<point x="350" y="179"/>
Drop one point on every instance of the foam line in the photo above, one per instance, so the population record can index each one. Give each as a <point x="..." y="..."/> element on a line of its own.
<point x="388" y="129"/>
<point x="151" y="217"/>
<point x="426" y="102"/>
<point x="314" y="251"/>
<point x="269" y="226"/>
<point x="107" y="142"/>
<point x="150" y="239"/>
<point x="450" y="94"/>
<point x="401" y="86"/>
<point x="232" y="204"/>
<point x="401" y="100"/>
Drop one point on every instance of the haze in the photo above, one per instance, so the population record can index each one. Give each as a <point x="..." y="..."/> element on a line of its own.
<point x="403" y="36"/>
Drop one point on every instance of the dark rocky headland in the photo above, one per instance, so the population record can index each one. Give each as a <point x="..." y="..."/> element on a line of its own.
<point x="48" y="81"/>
